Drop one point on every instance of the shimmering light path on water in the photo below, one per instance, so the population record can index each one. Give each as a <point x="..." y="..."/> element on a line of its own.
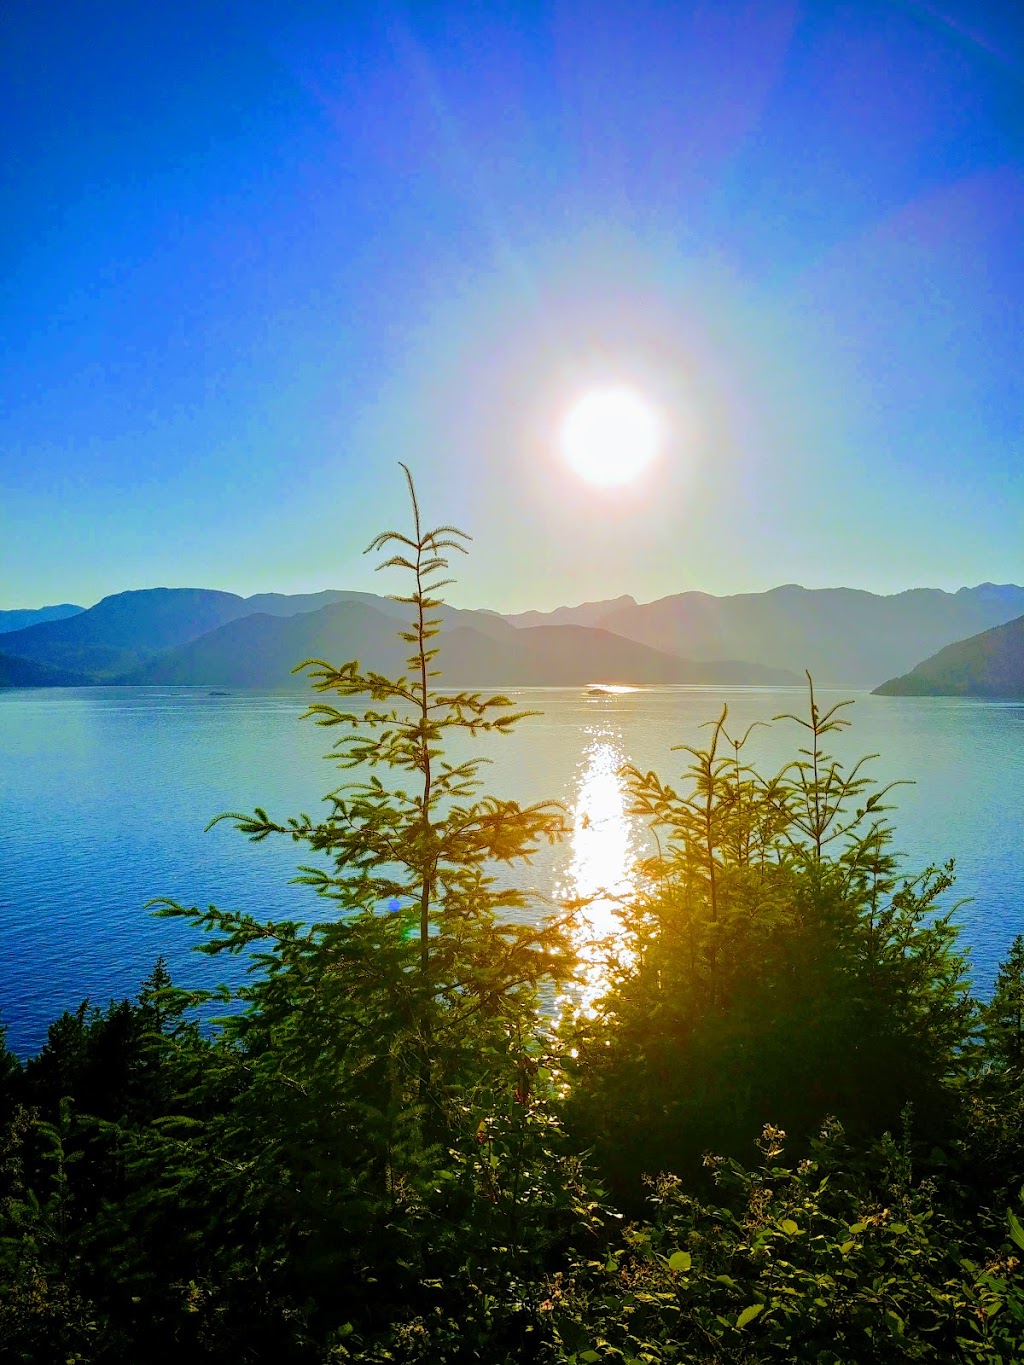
<point x="105" y="792"/>
<point x="603" y="849"/>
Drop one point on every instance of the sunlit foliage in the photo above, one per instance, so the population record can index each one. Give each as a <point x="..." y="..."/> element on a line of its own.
<point x="781" y="965"/>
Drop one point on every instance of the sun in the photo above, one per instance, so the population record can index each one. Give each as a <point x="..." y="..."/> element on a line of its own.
<point x="610" y="436"/>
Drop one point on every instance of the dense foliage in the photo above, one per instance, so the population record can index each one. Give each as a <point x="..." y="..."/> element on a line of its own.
<point x="779" y="967"/>
<point x="385" y="1152"/>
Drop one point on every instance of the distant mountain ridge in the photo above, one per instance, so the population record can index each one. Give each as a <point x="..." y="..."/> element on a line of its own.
<point x="841" y="635"/>
<point x="122" y="631"/>
<point x="990" y="664"/>
<point x="260" y="651"/>
<point x="112" y="636"/>
<point x="32" y="616"/>
<point x="586" y="614"/>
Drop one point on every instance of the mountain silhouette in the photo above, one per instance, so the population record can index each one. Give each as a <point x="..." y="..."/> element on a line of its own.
<point x="121" y="632"/>
<point x="32" y="616"/>
<point x="586" y="614"/>
<point x="260" y="651"/>
<point x="841" y="635"/>
<point x="116" y="633"/>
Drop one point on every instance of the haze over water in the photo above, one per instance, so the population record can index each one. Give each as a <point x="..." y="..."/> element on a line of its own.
<point x="105" y="794"/>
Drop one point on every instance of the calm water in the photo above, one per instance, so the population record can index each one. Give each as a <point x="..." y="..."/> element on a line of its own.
<point x="105" y="792"/>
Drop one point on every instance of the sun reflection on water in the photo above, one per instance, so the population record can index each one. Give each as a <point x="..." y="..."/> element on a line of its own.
<point x="604" y="848"/>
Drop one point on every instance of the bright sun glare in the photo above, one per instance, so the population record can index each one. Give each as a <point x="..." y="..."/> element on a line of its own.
<point x="609" y="436"/>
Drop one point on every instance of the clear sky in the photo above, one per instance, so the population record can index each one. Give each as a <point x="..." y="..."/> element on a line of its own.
<point x="252" y="255"/>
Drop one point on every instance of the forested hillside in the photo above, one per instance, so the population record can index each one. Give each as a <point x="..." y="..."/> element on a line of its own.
<point x="987" y="665"/>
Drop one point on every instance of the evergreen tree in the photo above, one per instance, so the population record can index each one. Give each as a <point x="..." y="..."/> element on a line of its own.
<point x="10" y="1072"/>
<point x="1004" y="1015"/>
<point x="392" y="1123"/>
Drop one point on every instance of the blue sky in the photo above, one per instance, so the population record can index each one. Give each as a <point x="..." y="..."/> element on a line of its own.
<point x="252" y="256"/>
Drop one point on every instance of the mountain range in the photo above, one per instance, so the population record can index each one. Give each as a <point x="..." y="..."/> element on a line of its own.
<point x="117" y="634"/>
<point x="205" y="637"/>
<point x="202" y="637"/>
<point x="840" y="635"/>
<point x="260" y="651"/>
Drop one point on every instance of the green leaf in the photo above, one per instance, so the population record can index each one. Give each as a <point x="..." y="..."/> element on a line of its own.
<point x="749" y="1314"/>
<point x="1016" y="1231"/>
<point x="789" y="1226"/>
<point x="680" y="1260"/>
<point x="590" y="1356"/>
<point x="857" y="1227"/>
<point x="895" y="1322"/>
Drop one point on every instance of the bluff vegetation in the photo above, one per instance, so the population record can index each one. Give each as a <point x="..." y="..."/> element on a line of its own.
<point x="786" y="1133"/>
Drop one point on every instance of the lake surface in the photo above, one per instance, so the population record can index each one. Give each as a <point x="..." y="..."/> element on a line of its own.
<point x="105" y="793"/>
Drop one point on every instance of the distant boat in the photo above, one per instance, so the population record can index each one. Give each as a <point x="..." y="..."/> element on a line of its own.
<point x="217" y="693"/>
<point x="608" y="689"/>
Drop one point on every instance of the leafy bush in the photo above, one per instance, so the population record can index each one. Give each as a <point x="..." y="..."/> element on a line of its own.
<point x="778" y="966"/>
<point x="844" y="1259"/>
